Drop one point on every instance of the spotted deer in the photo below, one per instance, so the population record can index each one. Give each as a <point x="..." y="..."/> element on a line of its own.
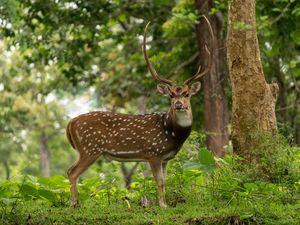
<point x="154" y="138"/>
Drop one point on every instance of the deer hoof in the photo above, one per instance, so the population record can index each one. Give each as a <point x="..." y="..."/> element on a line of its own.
<point x="144" y="202"/>
<point x="162" y="205"/>
<point x="75" y="204"/>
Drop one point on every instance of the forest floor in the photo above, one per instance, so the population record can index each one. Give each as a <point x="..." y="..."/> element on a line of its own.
<point x="230" y="194"/>
<point x="91" y="212"/>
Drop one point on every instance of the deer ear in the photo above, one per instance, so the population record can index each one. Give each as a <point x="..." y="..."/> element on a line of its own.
<point x="195" y="88"/>
<point x="163" y="89"/>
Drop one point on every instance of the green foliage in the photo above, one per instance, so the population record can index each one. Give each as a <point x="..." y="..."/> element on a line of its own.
<point x="227" y="194"/>
<point x="274" y="160"/>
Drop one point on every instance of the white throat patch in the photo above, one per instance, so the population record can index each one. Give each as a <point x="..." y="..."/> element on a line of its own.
<point x="183" y="119"/>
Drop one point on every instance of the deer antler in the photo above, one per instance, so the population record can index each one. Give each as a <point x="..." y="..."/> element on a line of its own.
<point x="149" y="64"/>
<point x="198" y="75"/>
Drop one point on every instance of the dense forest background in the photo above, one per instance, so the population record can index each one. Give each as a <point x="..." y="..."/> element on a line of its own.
<point x="59" y="59"/>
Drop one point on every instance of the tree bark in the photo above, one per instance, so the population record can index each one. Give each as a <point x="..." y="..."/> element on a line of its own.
<point x="295" y="124"/>
<point x="253" y="100"/>
<point x="215" y="101"/>
<point x="45" y="155"/>
<point x="283" y="92"/>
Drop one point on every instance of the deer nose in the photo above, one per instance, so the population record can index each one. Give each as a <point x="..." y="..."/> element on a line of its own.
<point x="178" y="105"/>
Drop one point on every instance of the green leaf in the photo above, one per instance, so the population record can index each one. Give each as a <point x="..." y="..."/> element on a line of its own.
<point x="53" y="182"/>
<point x="251" y="186"/>
<point x="206" y="158"/>
<point x="192" y="166"/>
<point x="29" y="189"/>
<point x="246" y="216"/>
<point x="47" y="194"/>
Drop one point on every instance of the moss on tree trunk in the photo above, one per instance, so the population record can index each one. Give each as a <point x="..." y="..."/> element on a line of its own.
<point x="253" y="99"/>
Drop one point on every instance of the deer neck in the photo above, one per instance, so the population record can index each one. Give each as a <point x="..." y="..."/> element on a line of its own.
<point x="179" y="122"/>
<point x="180" y="119"/>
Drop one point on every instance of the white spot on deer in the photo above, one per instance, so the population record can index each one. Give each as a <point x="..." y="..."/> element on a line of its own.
<point x="166" y="132"/>
<point x="90" y="144"/>
<point x="173" y="134"/>
<point x="154" y="143"/>
<point x="84" y="123"/>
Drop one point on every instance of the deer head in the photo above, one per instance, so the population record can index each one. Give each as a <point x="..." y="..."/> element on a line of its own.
<point x="180" y="95"/>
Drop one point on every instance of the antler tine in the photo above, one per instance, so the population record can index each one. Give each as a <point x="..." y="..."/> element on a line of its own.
<point x="149" y="64"/>
<point x="198" y="75"/>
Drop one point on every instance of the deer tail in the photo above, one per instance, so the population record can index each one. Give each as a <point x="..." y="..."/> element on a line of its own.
<point x="69" y="136"/>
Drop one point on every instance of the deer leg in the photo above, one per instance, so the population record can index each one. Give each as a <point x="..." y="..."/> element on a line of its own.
<point x="157" y="170"/>
<point x="74" y="172"/>
<point x="164" y="166"/>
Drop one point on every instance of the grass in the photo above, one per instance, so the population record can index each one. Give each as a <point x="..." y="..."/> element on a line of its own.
<point x="259" y="211"/>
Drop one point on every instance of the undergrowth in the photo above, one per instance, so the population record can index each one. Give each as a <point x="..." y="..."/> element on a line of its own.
<point x="200" y="190"/>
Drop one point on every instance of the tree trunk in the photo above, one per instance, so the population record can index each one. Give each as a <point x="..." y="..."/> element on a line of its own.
<point x="7" y="169"/>
<point x="283" y="92"/>
<point x="215" y="101"/>
<point x="295" y="123"/>
<point x="253" y="100"/>
<point x="45" y="155"/>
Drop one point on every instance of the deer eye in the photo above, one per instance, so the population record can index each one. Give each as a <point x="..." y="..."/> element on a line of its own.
<point x="171" y="95"/>
<point x="185" y="94"/>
